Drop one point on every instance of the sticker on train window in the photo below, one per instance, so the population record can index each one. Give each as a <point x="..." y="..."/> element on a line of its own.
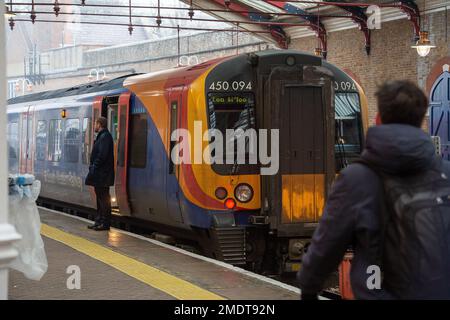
<point x="227" y="86"/>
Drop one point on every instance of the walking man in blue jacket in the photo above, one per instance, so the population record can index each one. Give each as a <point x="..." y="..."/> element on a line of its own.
<point x="357" y="203"/>
<point x="101" y="174"/>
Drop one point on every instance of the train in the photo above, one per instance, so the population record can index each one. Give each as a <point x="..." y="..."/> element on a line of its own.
<point x="233" y="211"/>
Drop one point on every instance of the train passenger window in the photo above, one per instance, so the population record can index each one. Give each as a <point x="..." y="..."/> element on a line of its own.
<point x="72" y="140"/>
<point x="13" y="140"/>
<point x="54" y="140"/>
<point x="87" y="141"/>
<point x="138" y="140"/>
<point x="113" y="120"/>
<point x="41" y="140"/>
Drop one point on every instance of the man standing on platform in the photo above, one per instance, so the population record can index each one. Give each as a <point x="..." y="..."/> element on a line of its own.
<point x="101" y="174"/>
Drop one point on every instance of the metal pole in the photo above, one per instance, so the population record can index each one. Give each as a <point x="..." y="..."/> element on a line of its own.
<point x="178" y="40"/>
<point x="7" y="232"/>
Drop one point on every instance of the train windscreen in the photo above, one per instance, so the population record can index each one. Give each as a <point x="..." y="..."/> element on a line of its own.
<point x="348" y="128"/>
<point x="232" y="111"/>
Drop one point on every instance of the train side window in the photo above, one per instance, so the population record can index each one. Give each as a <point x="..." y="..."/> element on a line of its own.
<point x="13" y="140"/>
<point x="173" y="127"/>
<point x="54" y="140"/>
<point x="87" y="140"/>
<point x="72" y="140"/>
<point x="41" y="140"/>
<point x="138" y="140"/>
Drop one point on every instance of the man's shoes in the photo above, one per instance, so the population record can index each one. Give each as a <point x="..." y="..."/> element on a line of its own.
<point x="101" y="228"/>
<point x="93" y="226"/>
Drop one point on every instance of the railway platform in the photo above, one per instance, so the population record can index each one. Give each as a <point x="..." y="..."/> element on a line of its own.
<point x="85" y="264"/>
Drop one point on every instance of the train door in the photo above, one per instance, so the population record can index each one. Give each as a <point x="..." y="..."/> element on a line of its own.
<point x="172" y="185"/>
<point x="121" y="179"/>
<point x="112" y="114"/>
<point x="301" y="110"/>
<point x="440" y="111"/>
<point x="27" y="141"/>
<point x="302" y="154"/>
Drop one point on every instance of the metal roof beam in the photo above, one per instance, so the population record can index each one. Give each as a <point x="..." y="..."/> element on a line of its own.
<point x="412" y="11"/>
<point x="358" y="16"/>
<point x="312" y="20"/>
<point x="276" y="31"/>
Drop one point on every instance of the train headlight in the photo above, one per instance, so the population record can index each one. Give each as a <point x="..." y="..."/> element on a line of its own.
<point x="243" y="192"/>
<point x="290" y="61"/>
<point x="221" y="193"/>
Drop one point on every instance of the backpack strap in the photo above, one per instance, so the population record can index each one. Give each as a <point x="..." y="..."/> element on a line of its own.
<point x="385" y="205"/>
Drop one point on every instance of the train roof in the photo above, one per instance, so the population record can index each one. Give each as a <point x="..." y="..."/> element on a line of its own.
<point x="98" y="86"/>
<point x="187" y="71"/>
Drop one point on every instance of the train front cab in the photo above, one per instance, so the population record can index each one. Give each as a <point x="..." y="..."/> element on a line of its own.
<point x="295" y="94"/>
<point x="290" y="93"/>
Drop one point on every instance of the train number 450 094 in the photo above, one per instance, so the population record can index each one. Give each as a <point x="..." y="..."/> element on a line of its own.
<point x="234" y="85"/>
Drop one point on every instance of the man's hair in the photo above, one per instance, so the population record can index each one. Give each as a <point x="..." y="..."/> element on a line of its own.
<point x="401" y="101"/>
<point x="103" y="122"/>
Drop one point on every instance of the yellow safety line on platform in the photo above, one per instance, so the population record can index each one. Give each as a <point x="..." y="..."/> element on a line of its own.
<point x="163" y="281"/>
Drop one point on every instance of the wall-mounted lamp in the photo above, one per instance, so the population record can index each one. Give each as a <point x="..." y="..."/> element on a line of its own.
<point x="423" y="45"/>
<point x="318" y="52"/>
<point x="63" y="113"/>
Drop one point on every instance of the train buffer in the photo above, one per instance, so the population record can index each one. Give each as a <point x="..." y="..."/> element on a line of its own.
<point x="85" y="264"/>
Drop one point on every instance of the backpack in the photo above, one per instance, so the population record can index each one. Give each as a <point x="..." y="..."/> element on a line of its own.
<point x="415" y="233"/>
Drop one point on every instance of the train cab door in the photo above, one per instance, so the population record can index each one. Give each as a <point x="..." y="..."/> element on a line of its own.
<point x="121" y="152"/>
<point x="172" y="184"/>
<point x="27" y="141"/>
<point x="302" y="112"/>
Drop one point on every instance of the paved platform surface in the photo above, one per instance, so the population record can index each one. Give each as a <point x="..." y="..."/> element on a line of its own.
<point x="119" y="265"/>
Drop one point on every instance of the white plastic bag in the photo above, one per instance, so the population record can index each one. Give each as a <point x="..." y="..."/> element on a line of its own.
<point x="24" y="215"/>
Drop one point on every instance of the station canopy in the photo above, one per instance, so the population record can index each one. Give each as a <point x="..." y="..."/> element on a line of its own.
<point x="278" y="22"/>
<point x="283" y="21"/>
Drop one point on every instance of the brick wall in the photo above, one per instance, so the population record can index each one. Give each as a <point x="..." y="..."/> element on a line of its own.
<point x="391" y="55"/>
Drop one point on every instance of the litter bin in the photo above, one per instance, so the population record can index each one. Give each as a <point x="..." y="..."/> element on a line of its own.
<point x="345" y="286"/>
<point x="24" y="215"/>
